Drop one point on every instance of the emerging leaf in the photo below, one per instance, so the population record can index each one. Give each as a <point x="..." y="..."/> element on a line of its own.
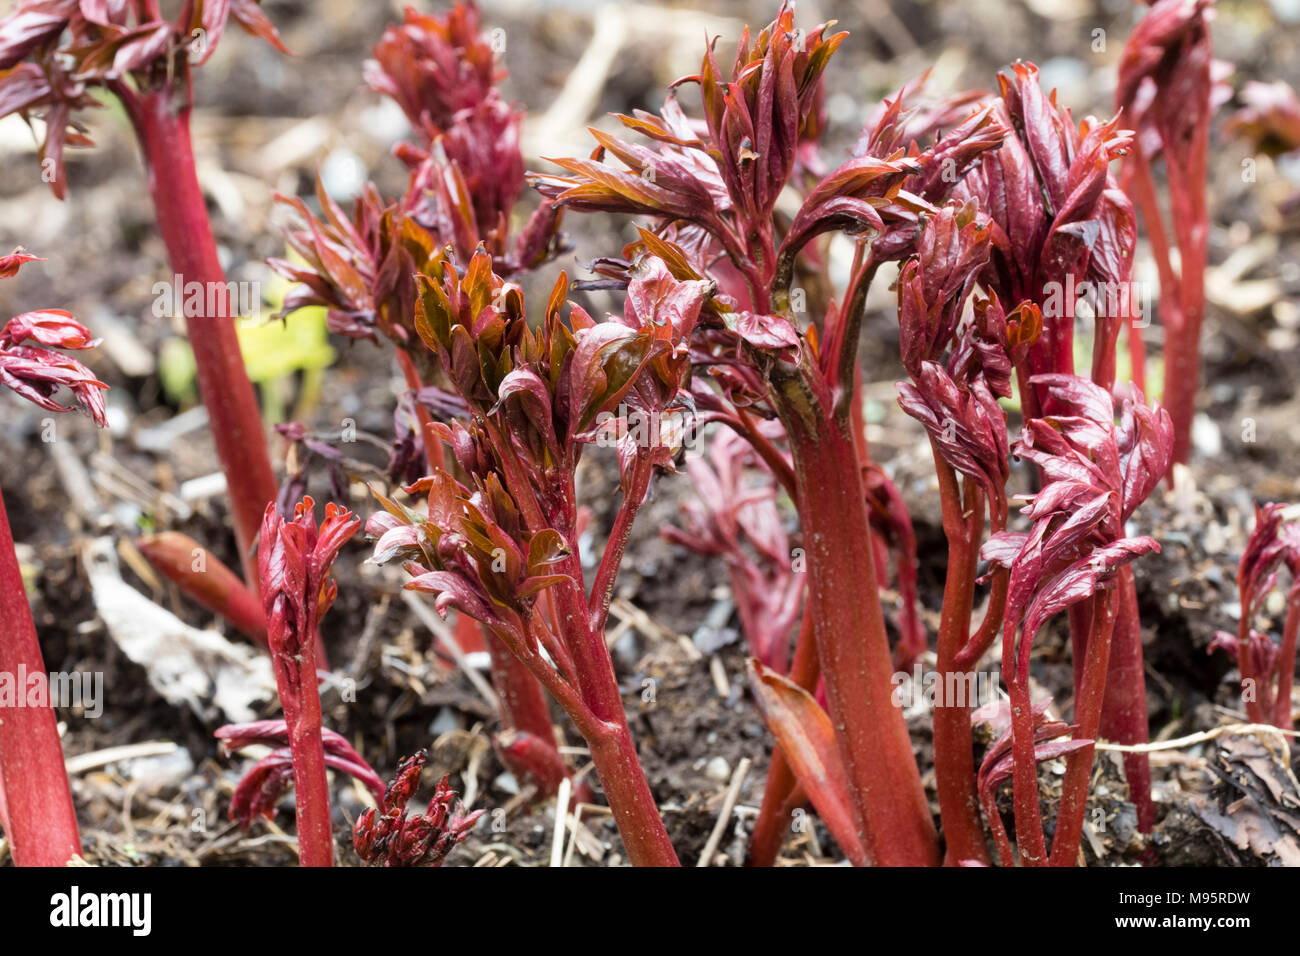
<point x="807" y="739"/>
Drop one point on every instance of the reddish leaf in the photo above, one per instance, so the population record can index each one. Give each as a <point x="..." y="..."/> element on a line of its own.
<point x="249" y="15"/>
<point x="807" y="739"/>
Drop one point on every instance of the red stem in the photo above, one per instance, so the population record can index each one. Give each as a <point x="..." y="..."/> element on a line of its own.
<point x="1137" y="349"/>
<point x="39" y="816"/>
<point x="1182" y="329"/>
<point x="624" y="782"/>
<point x="1282" y="716"/>
<point x="609" y="742"/>
<point x="609" y="739"/>
<point x="598" y="711"/>
<point x="1187" y="187"/>
<point x="763" y="447"/>
<point x="300" y="698"/>
<point x="1088" y="699"/>
<point x="1124" y="710"/>
<point x="1251" y="676"/>
<point x="311" y="788"/>
<point x="1137" y="357"/>
<point x="990" y="624"/>
<point x="852" y="646"/>
<point x="1006" y="856"/>
<point x="1024" y="781"/>
<point x="954" y="758"/>
<point x="911" y="632"/>
<point x="602" y="591"/>
<point x="523" y="709"/>
<point x="432" y="448"/>
<point x="161" y="119"/>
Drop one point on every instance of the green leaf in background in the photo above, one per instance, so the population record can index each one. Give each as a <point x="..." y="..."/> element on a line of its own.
<point x="274" y="351"/>
<point x="1123" y="370"/>
<point x="176" y="371"/>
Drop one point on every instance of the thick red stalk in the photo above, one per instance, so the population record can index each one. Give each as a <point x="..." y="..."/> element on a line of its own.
<point x="609" y="742"/>
<point x="1137" y="357"/>
<point x="623" y="780"/>
<point x="1182" y="381"/>
<point x="311" y="786"/>
<point x="1182" y="291"/>
<point x="609" y="739"/>
<point x="1024" y="779"/>
<point x="299" y="696"/>
<point x="1142" y="196"/>
<point x="852" y="645"/>
<point x="1124" y="710"/>
<point x="911" y="633"/>
<point x="1088" y="699"/>
<point x="161" y="119"/>
<point x="954" y="758"/>
<point x="1190" y="218"/>
<point x="41" y="821"/>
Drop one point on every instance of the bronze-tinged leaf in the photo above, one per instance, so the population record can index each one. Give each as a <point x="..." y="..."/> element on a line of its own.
<point x="478" y="284"/>
<point x="559" y="295"/>
<point x="433" y="315"/>
<point x="531" y="587"/>
<point x="249" y="15"/>
<point x="544" y="548"/>
<point x="211" y="16"/>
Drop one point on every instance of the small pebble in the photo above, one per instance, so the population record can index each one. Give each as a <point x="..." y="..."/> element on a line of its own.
<point x="1206" y="436"/>
<point x="1288" y="11"/>
<point x="445" y="722"/>
<point x="153" y="773"/>
<point x="1215" y="539"/>
<point x="344" y="174"/>
<point x="385" y="121"/>
<point x="718" y="769"/>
